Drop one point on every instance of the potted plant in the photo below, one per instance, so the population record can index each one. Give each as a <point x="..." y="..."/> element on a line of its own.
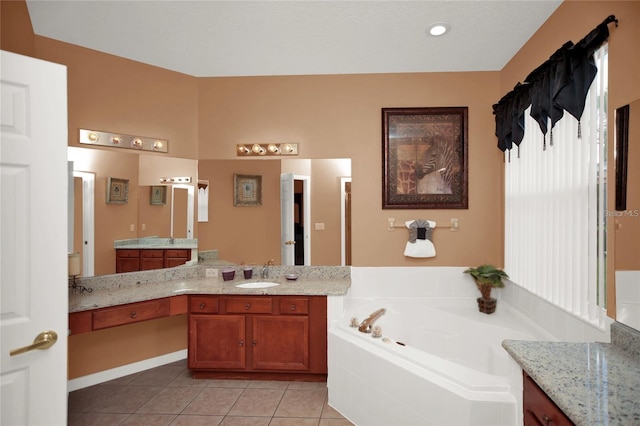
<point x="486" y="278"/>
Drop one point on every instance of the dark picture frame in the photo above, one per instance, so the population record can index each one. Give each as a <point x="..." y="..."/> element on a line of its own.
<point x="622" y="154"/>
<point x="158" y="195"/>
<point x="425" y="158"/>
<point x="247" y="190"/>
<point x="117" y="191"/>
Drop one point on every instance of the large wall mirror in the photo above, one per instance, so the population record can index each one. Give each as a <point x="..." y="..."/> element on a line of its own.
<point x="97" y="224"/>
<point x="627" y="225"/>
<point x="318" y="193"/>
<point x="249" y="235"/>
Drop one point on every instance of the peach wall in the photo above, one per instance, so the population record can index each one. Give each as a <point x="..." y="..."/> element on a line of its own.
<point x="114" y="347"/>
<point x="325" y="209"/>
<point x="339" y="116"/>
<point x="248" y="234"/>
<point x="110" y="93"/>
<point x="16" y="34"/>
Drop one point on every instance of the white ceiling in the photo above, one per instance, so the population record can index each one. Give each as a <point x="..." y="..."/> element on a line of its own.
<point x="255" y="38"/>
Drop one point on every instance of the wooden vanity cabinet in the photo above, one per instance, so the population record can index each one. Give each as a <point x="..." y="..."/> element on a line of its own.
<point x="115" y="316"/>
<point x="133" y="260"/>
<point x="539" y="409"/>
<point x="258" y="336"/>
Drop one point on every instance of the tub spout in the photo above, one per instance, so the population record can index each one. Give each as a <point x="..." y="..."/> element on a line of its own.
<point x="366" y="325"/>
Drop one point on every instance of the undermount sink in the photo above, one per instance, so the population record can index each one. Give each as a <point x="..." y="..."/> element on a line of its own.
<point x="257" y="284"/>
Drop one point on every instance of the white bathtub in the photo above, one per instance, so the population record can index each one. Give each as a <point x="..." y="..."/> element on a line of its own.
<point x="440" y="362"/>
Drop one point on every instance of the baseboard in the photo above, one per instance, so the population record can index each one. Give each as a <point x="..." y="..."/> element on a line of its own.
<point x="125" y="370"/>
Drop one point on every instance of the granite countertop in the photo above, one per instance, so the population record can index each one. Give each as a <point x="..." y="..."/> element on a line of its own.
<point x="121" y="289"/>
<point x="592" y="383"/>
<point x="156" y="243"/>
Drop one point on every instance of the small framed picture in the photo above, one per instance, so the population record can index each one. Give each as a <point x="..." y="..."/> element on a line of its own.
<point x="117" y="191"/>
<point x="158" y="195"/>
<point x="247" y="190"/>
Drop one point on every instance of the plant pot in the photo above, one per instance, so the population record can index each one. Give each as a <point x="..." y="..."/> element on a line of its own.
<point x="487" y="306"/>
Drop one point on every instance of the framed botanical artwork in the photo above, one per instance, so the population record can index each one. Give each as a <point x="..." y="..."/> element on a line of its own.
<point x="424" y="158"/>
<point x="247" y="190"/>
<point x="117" y="191"/>
<point x="158" y="195"/>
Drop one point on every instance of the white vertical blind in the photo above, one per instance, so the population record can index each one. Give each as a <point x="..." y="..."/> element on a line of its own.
<point x="555" y="208"/>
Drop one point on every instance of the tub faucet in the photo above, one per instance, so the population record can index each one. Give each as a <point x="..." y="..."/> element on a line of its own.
<point x="367" y="325"/>
<point x="264" y="273"/>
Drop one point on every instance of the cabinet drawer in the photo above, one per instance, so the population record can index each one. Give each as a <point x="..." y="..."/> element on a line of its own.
<point x="203" y="305"/>
<point x="152" y="253"/>
<point x="251" y="305"/>
<point x="178" y="253"/>
<point x="127" y="314"/>
<point x="127" y="253"/>
<point x="294" y="306"/>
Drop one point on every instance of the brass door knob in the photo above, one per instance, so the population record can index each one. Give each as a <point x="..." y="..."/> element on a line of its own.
<point x="44" y="340"/>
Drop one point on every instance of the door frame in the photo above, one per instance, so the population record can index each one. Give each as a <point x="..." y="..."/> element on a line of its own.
<point x="88" y="221"/>
<point x="306" y="212"/>
<point x="343" y="220"/>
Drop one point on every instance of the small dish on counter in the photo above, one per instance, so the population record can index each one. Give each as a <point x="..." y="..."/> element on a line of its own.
<point x="291" y="277"/>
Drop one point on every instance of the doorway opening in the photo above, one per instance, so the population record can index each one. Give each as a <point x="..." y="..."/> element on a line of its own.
<point x="345" y="215"/>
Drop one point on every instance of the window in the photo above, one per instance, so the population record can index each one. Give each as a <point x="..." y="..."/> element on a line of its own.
<point x="555" y="207"/>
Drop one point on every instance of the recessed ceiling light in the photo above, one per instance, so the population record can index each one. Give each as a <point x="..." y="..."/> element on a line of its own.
<point x="438" y="29"/>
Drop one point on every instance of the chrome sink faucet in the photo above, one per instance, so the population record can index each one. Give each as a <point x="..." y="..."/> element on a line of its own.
<point x="367" y="325"/>
<point x="264" y="273"/>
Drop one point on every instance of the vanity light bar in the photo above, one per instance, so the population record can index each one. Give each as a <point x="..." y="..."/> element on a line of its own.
<point x="170" y="180"/>
<point x="118" y="140"/>
<point x="264" y="149"/>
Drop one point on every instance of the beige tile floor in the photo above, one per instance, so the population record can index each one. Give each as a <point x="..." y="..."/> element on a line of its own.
<point x="167" y="395"/>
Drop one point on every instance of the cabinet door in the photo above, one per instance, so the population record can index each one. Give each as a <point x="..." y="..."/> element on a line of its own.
<point x="127" y="260"/>
<point x="151" y="259"/>
<point x="173" y="257"/>
<point x="217" y="341"/>
<point x="539" y="409"/>
<point x="280" y="343"/>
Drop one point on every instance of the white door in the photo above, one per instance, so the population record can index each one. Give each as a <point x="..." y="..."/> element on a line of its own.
<point x="287" y="239"/>
<point x="33" y="231"/>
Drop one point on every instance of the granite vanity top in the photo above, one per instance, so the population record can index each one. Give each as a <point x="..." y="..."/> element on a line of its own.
<point x="156" y="243"/>
<point x="592" y="383"/>
<point x="119" y="289"/>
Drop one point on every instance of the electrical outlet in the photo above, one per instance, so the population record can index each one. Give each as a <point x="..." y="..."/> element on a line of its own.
<point x="211" y="273"/>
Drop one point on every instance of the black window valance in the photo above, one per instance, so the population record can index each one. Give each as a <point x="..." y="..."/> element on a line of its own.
<point x="560" y="84"/>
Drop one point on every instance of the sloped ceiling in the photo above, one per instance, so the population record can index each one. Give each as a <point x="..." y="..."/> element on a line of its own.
<point x="256" y="38"/>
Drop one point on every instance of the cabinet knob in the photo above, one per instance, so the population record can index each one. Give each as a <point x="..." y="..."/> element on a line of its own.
<point x="133" y="314"/>
<point x="293" y="307"/>
<point x="247" y="306"/>
<point x="241" y="343"/>
<point x="203" y="305"/>
<point x="254" y="343"/>
<point x="547" y="420"/>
